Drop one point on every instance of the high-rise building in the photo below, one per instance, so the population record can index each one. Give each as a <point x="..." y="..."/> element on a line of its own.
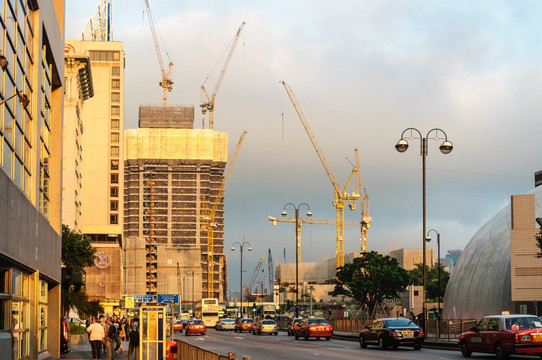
<point x="31" y="96"/>
<point x="101" y="171"/>
<point x="169" y="166"/>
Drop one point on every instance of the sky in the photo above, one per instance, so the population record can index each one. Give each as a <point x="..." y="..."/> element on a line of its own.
<point x="363" y="71"/>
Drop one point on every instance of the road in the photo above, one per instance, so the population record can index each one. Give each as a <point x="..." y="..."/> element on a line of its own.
<point x="268" y="347"/>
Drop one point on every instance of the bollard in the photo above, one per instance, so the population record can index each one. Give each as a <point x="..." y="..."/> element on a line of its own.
<point x="231" y="356"/>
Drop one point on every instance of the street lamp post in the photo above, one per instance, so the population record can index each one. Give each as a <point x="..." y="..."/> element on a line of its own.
<point x="446" y="147"/>
<point x="438" y="266"/>
<point x="309" y="214"/>
<point x="241" y="246"/>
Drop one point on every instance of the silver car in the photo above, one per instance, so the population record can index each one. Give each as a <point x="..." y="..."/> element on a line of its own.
<point x="225" y="324"/>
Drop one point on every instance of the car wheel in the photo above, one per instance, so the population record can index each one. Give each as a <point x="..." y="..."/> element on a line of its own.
<point x="465" y="349"/>
<point x="499" y="351"/>
<point x="381" y="343"/>
<point x="362" y="343"/>
<point x="416" y="347"/>
<point x="328" y="338"/>
<point x="307" y="336"/>
<point x="204" y="333"/>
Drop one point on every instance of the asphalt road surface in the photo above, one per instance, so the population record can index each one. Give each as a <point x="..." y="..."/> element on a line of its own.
<point x="270" y="347"/>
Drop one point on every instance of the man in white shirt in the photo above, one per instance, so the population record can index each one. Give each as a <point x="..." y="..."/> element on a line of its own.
<point x="96" y="337"/>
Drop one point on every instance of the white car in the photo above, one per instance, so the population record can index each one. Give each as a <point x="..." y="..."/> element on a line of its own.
<point x="225" y="324"/>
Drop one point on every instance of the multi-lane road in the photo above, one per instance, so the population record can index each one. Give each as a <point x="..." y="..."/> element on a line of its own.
<point x="269" y="347"/>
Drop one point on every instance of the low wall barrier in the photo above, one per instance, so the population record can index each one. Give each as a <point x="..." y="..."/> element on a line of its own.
<point x="192" y="352"/>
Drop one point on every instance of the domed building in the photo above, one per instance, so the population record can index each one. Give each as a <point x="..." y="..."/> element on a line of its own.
<point x="499" y="270"/>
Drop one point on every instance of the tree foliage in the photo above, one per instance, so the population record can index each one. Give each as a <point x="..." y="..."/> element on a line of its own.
<point x="370" y="279"/>
<point x="432" y="283"/>
<point x="77" y="253"/>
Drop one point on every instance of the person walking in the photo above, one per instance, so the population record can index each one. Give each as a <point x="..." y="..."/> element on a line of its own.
<point x="96" y="336"/>
<point x="133" y="341"/>
<point x="110" y="335"/>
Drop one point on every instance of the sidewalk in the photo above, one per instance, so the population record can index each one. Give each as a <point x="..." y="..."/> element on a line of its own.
<point x="84" y="352"/>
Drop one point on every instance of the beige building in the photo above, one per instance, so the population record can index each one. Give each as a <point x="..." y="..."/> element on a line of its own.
<point x="31" y="96"/>
<point x="171" y="172"/>
<point x="96" y="163"/>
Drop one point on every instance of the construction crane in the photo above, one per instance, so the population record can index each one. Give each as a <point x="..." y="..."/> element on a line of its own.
<point x="270" y="272"/>
<point x="166" y="84"/>
<point x="341" y="197"/>
<point x="365" y="222"/>
<point x="99" y="27"/>
<point x="207" y="103"/>
<point x="253" y="277"/>
<point x="208" y="217"/>
<point x="307" y="220"/>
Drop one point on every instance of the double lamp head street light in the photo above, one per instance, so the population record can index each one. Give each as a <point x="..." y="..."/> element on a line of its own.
<point x="241" y="247"/>
<point x="446" y="147"/>
<point x="297" y="246"/>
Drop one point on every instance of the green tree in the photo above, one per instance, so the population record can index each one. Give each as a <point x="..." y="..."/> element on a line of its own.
<point x="77" y="253"/>
<point x="370" y="279"/>
<point x="432" y="283"/>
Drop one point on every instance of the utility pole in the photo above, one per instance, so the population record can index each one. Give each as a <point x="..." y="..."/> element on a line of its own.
<point x="179" y="290"/>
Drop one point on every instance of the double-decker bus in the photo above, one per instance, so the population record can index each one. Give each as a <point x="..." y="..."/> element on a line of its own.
<point x="207" y="310"/>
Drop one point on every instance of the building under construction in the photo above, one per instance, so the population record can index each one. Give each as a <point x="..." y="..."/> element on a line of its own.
<point x="169" y="168"/>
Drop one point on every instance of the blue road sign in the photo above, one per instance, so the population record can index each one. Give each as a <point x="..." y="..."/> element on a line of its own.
<point x="167" y="298"/>
<point x="143" y="298"/>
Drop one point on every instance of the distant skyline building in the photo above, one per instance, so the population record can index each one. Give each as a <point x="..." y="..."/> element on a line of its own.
<point x="32" y="72"/>
<point x="99" y="170"/>
<point x="169" y="166"/>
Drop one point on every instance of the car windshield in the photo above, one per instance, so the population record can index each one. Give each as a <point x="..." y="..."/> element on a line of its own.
<point x="247" y="320"/>
<point x="523" y="322"/>
<point x="228" y="320"/>
<point x="196" y="322"/>
<point x="317" y="322"/>
<point x="268" y="322"/>
<point x="400" y="323"/>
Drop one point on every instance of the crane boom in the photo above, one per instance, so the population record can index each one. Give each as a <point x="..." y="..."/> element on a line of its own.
<point x="340" y="196"/>
<point x="364" y="200"/>
<point x="254" y="275"/>
<point x="166" y="84"/>
<point x="208" y="217"/>
<point x="208" y="103"/>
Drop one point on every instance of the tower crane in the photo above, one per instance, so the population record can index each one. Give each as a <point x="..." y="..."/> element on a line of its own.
<point x="341" y="197"/>
<point x="270" y="272"/>
<point x="208" y="103"/>
<point x="208" y="217"/>
<point x="253" y="277"/>
<point x="364" y="200"/>
<point x="307" y="220"/>
<point x="166" y="84"/>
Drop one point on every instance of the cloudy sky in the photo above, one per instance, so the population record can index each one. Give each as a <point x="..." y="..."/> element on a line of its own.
<point x="363" y="71"/>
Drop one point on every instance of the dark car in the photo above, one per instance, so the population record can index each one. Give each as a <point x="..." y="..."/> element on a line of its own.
<point x="503" y="335"/>
<point x="292" y="325"/>
<point x="392" y="332"/>
<point x="65" y="334"/>
<point x="314" y="327"/>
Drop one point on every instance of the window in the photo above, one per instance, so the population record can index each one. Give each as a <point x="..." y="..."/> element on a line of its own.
<point x="114" y="205"/>
<point x="114" y="164"/>
<point x="115" y="71"/>
<point x="115" y="84"/>
<point x="115" y="97"/>
<point x="115" y="110"/>
<point x="104" y="55"/>
<point x="114" y="191"/>
<point x="113" y="219"/>
<point x="114" y="124"/>
<point x="115" y="151"/>
<point x="115" y="138"/>
<point x="114" y="178"/>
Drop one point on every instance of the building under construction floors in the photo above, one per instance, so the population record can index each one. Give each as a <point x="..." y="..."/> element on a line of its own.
<point x="171" y="169"/>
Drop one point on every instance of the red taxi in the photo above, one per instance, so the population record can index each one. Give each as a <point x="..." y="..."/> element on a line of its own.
<point x="194" y="326"/>
<point x="503" y="335"/>
<point x="244" y="324"/>
<point x="178" y="325"/>
<point x="314" y="327"/>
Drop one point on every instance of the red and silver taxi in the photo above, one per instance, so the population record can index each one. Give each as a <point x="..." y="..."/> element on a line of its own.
<point x="177" y="325"/>
<point x="194" y="326"/>
<point x="503" y="335"/>
<point x="314" y="327"/>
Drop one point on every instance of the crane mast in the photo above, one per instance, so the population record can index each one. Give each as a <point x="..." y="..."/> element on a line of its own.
<point x="166" y="83"/>
<point x="270" y="272"/>
<point x="208" y="102"/>
<point x="253" y="277"/>
<point x="208" y="217"/>
<point x="365" y="222"/>
<point x="340" y="196"/>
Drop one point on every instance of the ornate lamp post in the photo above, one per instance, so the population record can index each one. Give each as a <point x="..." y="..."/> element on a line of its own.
<point x="446" y="147"/>
<point x="284" y="213"/>
<point x="241" y="247"/>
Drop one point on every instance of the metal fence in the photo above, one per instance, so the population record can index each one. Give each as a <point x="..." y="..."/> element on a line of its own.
<point x="188" y="351"/>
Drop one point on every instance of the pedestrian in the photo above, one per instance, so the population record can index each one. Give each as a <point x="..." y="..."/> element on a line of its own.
<point x="96" y="337"/>
<point x="133" y="341"/>
<point x="121" y="335"/>
<point x="110" y="335"/>
<point x="90" y="321"/>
